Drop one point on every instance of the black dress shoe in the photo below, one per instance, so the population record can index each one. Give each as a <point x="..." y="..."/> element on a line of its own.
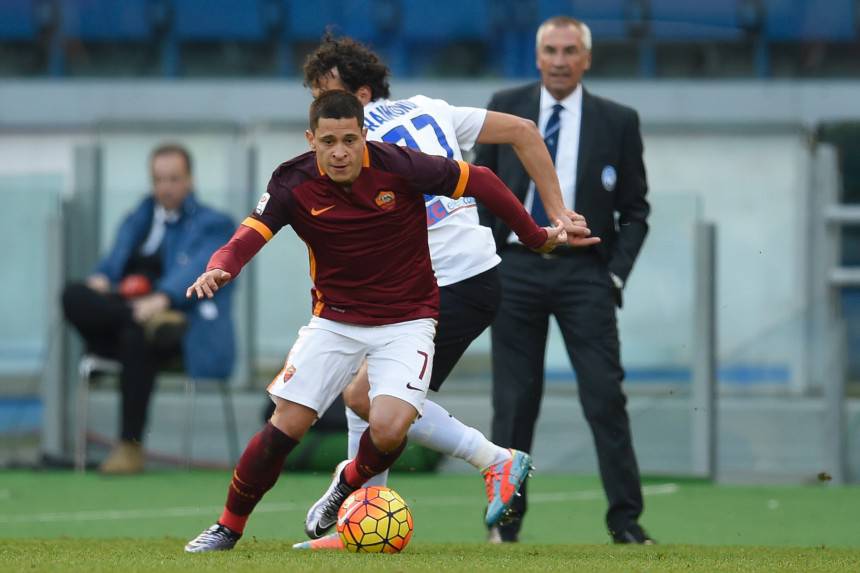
<point x="633" y="533"/>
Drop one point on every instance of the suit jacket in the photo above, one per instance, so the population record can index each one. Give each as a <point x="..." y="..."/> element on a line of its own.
<point x="208" y="346"/>
<point x="609" y="140"/>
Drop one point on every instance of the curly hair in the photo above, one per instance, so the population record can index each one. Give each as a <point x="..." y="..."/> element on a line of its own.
<point x="356" y="64"/>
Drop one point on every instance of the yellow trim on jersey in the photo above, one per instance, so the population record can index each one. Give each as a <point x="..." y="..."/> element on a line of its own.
<point x="318" y="307"/>
<point x="259" y="227"/>
<point x="462" y="181"/>
<point x="312" y="262"/>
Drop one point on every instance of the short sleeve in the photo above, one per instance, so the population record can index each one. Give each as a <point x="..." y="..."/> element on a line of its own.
<point x="271" y="212"/>
<point x="434" y="175"/>
<point x="468" y="122"/>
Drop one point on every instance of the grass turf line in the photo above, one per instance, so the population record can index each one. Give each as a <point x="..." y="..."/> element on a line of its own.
<point x="165" y="555"/>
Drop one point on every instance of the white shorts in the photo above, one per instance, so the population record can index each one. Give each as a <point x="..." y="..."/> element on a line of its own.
<point x="328" y="354"/>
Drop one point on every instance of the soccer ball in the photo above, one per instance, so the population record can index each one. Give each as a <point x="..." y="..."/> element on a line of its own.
<point x="374" y="520"/>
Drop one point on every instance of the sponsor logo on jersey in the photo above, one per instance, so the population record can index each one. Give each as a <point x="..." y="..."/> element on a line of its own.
<point x="261" y="204"/>
<point x="385" y="200"/>
<point x="440" y="207"/>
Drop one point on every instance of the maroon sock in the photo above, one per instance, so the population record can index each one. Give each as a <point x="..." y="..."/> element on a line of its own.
<point x="369" y="461"/>
<point x="255" y="474"/>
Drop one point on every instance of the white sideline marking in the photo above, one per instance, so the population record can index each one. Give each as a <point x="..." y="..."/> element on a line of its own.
<point x="125" y="514"/>
<point x="129" y="514"/>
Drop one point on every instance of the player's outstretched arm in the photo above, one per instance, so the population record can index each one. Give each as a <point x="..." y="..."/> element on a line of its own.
<point x="483" y="185"/>
<point x="525" y="138"/>
<point x="226" y="263"/>
<point x="208" y="283"/>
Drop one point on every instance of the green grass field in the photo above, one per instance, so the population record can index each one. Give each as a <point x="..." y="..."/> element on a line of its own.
<point x="63" y="521"/>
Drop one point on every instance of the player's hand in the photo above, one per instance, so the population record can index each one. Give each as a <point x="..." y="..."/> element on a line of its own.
<point x="208" y="284"/>
<point x="555" y="236"/>
<point x="578" y="233"/>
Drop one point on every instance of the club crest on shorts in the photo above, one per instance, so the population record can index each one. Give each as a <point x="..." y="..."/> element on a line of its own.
<point x="261" y="204"/>
<point x="288" y="373"/>
<point x="385" y="200"/>
<point x="609" y="177"/>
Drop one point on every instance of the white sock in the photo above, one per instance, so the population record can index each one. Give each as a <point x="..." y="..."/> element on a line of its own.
<point x="440" y="431"/>
<point x="357" y="426"/>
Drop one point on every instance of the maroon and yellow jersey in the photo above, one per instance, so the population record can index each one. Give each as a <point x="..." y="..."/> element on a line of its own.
<point x="369" y="259"/>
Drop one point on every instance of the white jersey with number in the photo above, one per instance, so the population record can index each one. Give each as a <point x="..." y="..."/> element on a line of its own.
<point x="460" y="247"/>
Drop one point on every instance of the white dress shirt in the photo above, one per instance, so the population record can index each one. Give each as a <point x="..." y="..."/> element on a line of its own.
<point x="160" y="218"/>
<point x="567" y="153"/>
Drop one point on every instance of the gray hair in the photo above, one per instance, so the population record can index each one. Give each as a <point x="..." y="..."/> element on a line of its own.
<point x="561" y="22"/>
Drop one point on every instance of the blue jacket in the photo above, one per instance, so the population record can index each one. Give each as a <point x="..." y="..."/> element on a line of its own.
<point x="208" y="347"/>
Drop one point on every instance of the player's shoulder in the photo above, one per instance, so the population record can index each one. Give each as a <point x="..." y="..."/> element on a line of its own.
<point x="292" y="173"/>
<point x="425" y="101"/>
<point x="395" y="158"/>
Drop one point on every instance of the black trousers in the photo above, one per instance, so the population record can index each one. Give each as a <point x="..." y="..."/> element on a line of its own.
<point x="466" y="309"/>
<point x="577" y="290"/>
<point x="108" y="328"/>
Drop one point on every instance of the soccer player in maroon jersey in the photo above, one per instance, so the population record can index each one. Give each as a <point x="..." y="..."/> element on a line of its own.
<point x="360" y="208"/>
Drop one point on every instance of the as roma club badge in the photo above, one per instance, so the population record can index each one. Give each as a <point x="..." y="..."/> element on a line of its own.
<point x="385" y="200"/>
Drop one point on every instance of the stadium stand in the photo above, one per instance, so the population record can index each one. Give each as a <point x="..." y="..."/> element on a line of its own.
<point x="107" y="20"/>
<point x="18" y="21"/>
<point x="809" y="20"/>
<point x="419" y="38"/>
<point x="683" y="20"/>
<point x="608" y="19"/>
<point x="428" y="28"/>
<point x="213" y="20"/>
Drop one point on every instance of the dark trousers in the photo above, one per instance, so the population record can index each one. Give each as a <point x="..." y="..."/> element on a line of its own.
<point x="108" y="328"/>
<point x="577" y="290"/>
<point x="466" y="309"/>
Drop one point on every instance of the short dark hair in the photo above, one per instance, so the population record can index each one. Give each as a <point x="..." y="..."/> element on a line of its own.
<point x="336" y="104"/>
<point x="173" y="149"/>
<point x="356" y="64"/>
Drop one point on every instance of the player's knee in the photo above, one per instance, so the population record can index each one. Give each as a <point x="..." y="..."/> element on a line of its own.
<point x="386" y="438"/>
<point x="292" y="419"/>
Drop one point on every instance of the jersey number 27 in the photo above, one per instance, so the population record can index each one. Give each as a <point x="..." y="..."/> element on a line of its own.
<point x="401" y="133"/>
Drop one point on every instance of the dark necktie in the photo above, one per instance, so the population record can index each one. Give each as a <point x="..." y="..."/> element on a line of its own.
<point x="550" y="137"/>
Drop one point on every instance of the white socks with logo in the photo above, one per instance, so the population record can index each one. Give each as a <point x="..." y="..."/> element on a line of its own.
<point x="440" y="431"/>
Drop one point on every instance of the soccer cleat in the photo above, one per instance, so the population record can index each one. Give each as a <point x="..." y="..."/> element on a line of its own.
<point x="215" y="538"/>
<point x="323" y="514"/>
<point x="503" y="481"/>
<point x="331" y="542"/>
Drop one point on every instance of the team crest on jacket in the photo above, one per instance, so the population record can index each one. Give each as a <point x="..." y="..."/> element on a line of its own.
<point x="385" y="200"/>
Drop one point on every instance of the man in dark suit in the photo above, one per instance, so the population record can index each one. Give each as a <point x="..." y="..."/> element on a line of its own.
<point x="597" y="148"/>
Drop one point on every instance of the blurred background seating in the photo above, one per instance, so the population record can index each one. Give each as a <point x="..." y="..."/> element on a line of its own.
<point x="478" y="38"/>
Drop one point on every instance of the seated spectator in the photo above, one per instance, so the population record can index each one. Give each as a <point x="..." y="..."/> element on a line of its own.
<point x="133" y="308"/>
